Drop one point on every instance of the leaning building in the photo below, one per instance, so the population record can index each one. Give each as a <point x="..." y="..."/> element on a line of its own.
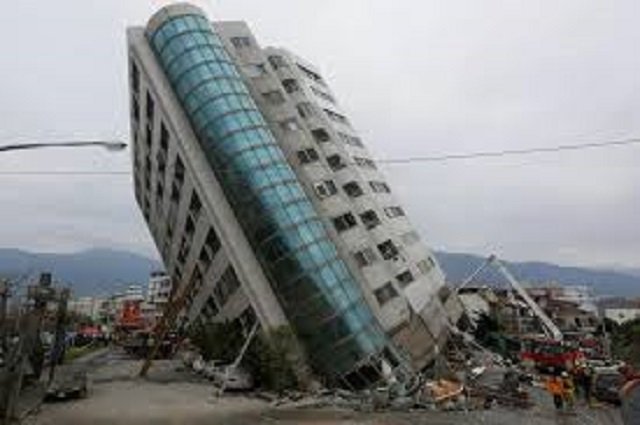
<point x="265" y="204"/>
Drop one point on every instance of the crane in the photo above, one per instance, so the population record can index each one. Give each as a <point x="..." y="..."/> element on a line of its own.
<point x="550" y="328"/>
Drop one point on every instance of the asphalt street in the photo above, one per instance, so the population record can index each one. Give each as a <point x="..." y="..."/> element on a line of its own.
<point x="170" y="395"/>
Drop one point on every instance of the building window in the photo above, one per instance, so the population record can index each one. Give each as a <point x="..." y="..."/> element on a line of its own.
<point x="385" y="293"/>
<point x="169" y="235"/>
<point x="325" y="189"/>
<point x="178" y="172"/>
<point x="162" y="162"/>
<point x="364" y="162"/>
<point x="226" y="286"/>
<point x="355" y="141"/>
<point x="204" y="258"/>
<point x="365" y="257"/>
<point x="212" y="243"/>
<point x="164" y="137"/>
<point x="306" y="156"/>
<point x="195" y="205"/>
<point x="335" y="162"/>
<point x="177" y="275"/>
<point x="305" y="109"/>
<point x="323" y="95"/>
<point x="370" y="219"/>
<point x="344" y="222"/>
<point x="352" y="189"/>
<point x="150" y="106"/>
<point x="290" y="85"/>
<point x="277" y="61"/>
<point x="290" y="124"/>
<point x="136" y="109"/>
<point x="175" y="193"/>
<point x="247" y="319"/>
<point x="320" y="135"/>
<point x="211" y="308"/>
<point x="183" y="251"/>
<point x="388" y="250"/>
<point x="196" y="280"/>
<point x="159" y="192"/>
<point x="255" y="70"/>
<point x="379" y="187"/>
<point x="425" y="266"/>
<point x="405" y="278"/>
<point x="149" y="135"/>
<point x="410" y="238"/>
<point x="393" y="212"/>
<point x="310" y="74"/>
<point x="135" y="77"/>
<point x="241" y="42"/>
<point x="334" y="116"/>
<point x="274" y="97"/>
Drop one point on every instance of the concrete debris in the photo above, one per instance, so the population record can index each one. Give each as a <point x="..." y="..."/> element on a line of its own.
<point x="463" y="378"/>
<point x="443" y="390"/>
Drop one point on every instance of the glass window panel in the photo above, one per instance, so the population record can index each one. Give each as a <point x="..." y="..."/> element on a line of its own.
<point x="328" y="276"/>
<point x="292" y="238"/>
<point x="305" y="259"/>
<point x="269" y="198"/>
<point x="316" y="253"/>
<point x="306" y="234"/>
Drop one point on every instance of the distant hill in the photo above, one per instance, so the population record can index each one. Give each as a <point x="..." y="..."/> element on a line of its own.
<point x="604" y="282"/>
<point x="100" y="271"/>
<point x="90" y="272"/>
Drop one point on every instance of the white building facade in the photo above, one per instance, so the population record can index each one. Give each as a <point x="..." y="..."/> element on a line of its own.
<point x="622" y="315"/>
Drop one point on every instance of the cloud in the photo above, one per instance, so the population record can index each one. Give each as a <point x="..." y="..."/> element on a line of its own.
<point x="417" y="78"/>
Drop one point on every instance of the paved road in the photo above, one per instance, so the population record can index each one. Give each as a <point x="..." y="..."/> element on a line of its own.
<point x="171" y="396"/>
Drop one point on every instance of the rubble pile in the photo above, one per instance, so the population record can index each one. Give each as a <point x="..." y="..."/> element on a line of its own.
<point x="462" y="378"/>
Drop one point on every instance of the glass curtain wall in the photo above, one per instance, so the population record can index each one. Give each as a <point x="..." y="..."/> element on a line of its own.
<point x="321" y="299"/>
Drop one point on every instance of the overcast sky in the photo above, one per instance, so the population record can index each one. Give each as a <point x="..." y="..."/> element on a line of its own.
<point x="418" y="78"/>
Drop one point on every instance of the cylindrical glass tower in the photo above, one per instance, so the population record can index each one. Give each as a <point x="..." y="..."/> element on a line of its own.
<point x="320" y="297"/>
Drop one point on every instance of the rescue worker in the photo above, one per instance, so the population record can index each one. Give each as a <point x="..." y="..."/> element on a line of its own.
<point x="585" y="382"/>
<point x="568" y="390"/>
<point x="556" y="389"/>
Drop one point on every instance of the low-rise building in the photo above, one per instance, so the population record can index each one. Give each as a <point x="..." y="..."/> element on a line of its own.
<point x="622" y="315"/>
<point x="85" y="306"/>
<point x="158" y="295"/>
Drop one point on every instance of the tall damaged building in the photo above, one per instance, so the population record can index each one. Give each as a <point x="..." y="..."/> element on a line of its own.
<point x="262" y="198"/>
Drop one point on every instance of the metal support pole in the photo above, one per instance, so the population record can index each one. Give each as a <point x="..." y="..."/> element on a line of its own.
<point x="236" y="362"/>
<point x="58" y="348"/>
<point x="166" y="322"/>
<point x="4" y="295"/>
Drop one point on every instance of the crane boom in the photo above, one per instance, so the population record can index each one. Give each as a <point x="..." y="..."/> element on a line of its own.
<point x="549" y="327"/>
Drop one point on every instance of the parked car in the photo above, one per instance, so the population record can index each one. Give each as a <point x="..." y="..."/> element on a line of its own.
<point x="198" y="365"/>
<point x="606" y="385"/>
<point x="210" y="369"/>
<point x="187" y="357"/>
<point x="68" y="382"/>
<point x="237" y="378"/>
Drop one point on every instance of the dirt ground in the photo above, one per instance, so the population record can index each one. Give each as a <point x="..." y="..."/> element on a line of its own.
<point x="172" y="397"/>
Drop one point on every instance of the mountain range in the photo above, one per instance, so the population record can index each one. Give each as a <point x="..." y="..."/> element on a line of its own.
<point x="103" y="271"/>
<point x="458" y="266"/>
<point x="91" y="272"/>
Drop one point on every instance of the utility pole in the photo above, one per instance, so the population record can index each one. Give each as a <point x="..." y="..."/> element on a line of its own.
<point x="167" y="321"/>
<point x="27" y="349"/>
<point x="4" y="295"/>
<point x="58" y="349"/>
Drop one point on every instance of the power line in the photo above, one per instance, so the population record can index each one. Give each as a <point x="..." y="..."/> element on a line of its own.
<point x="391" y="161"/>
<point x="65" y="173"/>
<point x="506" y="152"/>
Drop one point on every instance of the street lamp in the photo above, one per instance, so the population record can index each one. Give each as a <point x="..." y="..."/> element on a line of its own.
<point x="113" y="145"/>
